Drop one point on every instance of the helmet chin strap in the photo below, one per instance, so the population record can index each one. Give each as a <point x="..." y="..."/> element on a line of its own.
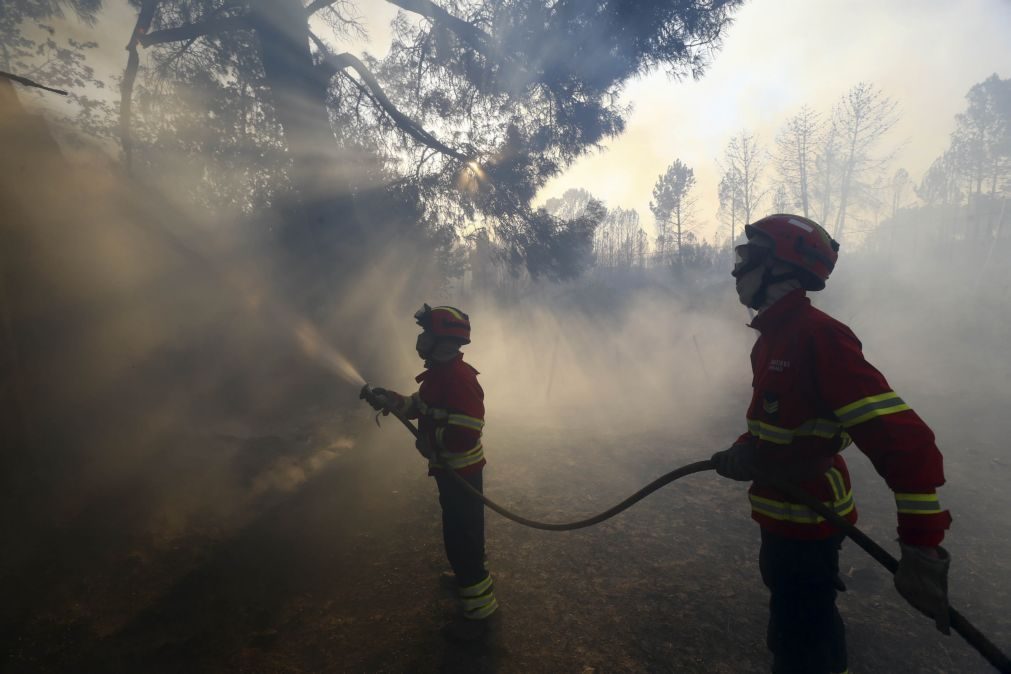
<point x="769" y="279"/>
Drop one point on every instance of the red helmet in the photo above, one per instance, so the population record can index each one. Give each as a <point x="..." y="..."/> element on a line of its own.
<point x="445" y="322"/>
<point x="800" y="242"/>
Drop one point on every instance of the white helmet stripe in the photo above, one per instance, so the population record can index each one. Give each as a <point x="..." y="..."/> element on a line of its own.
<point x="803" y="225"/>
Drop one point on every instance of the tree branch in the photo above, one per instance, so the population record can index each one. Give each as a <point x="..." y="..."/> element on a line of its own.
<point x="182" y="50"/>
<point x="30" y="83"/>
<point x="144" y="19"/>
<point x="334" y="63"/>
<point x="317" y="5"/>
<point x="468" y="32"/>
<point x="194" y="30"/>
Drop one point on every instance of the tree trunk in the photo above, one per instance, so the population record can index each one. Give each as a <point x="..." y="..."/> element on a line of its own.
<point x="322" y="221"/>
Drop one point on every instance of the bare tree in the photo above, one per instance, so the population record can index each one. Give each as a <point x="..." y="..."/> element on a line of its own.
<point x="827" y="171"/>
<point x="745" y="159"/>
<point x="781" y="200"/>
<point x="730" y="200"/>
<point x="795" y="154"/>
<point x="862" y="117"/>
<point x="672" y="203"/>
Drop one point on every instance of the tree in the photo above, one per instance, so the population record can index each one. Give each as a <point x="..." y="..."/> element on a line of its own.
<point x="900" y="182"/>
<point x="780" y="200"/>
<point x="29" y="48"/>
<point x="745" y="160"/>
<point x="572" y="204"/>
<point x="940" y="183"/>
<point x="672" y="204"/>
<point x="618" y="240"/>
<point x="862" y="117"/>
<point x="477" y="104"/>
<point x="981" y="143"/>
<point x="730" y="199"/>
<point x="827" y="171"/>
<point x="795" y="156"/>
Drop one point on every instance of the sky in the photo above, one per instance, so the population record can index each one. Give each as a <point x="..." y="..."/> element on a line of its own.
<point x="777" y="56"/>
<point x="782" y="54"/>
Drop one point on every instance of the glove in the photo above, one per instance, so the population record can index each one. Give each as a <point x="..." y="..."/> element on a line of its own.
<point x="736" y="463"/>
<point x="381" y="399"/>
<point x="923" y="581"/>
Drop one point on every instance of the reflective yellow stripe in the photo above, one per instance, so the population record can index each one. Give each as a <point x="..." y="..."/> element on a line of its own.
<point x="460" y="460"/>
<point x="466" y="421"/>
<point x="785" y="511"/>
<point x="870" y="407"/>
<point x="464" y="459"/>
<point x="483" y="612"/>
<point x="479" y="599"/>
<point x="451" y="310"/>
<point x="473" y="603"/>
<point x="835" y="479"/>
<point x="917" y="504"/>
<point x="819" y="428"/>
<point x="477" y="588"/>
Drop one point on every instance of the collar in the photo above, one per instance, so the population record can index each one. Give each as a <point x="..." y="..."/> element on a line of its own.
<point x="778" y="311"/>
<point x="438" y="367"/>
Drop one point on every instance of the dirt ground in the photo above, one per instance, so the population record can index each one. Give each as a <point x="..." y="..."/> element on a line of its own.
<point x="340" y="573"/>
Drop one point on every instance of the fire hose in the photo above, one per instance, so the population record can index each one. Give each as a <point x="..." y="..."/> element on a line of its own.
<point x="959" y="623"/>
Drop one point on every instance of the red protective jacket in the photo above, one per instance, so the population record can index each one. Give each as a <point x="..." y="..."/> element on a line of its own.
<point x="813" y="393"/>
<point x="449" y="407"/>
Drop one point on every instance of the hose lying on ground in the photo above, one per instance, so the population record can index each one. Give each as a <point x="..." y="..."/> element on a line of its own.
<point x="959" y="623"/>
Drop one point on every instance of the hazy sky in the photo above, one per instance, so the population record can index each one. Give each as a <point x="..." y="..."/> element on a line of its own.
<point x="778" y="56"/>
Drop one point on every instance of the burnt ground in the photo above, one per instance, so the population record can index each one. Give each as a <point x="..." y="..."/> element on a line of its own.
<point x="339" y="573"/>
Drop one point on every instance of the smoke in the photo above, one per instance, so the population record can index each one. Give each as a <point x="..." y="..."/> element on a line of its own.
<point x="173" y="381"/>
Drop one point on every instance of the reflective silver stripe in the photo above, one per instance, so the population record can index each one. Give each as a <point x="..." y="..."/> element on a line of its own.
<point x="870" y="407"/>
<point x="467" y="422"/>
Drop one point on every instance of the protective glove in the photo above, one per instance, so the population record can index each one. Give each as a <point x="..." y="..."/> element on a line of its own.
<point x="923" y="581"/>
<point x="381" y="399"/>
<point x="736" y="463"/>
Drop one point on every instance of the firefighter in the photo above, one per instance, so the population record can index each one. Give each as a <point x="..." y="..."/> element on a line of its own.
<point x="814" y="394"/>
<point x="449" y="407"/>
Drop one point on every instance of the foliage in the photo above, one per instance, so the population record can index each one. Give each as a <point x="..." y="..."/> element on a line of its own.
<point x="29" y="47"/>
<point x="672" y="206"/>
<point x="861" y="118"/>
<point x="519" y="88"/>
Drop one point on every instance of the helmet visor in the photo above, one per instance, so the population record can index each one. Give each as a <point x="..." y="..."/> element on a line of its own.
<point x="747" y="257"/>
<point x="421" y="316"/>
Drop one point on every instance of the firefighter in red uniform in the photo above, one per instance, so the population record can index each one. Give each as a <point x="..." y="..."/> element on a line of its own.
<point x="449" y="407"/>
<point x="814" y="394"/>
